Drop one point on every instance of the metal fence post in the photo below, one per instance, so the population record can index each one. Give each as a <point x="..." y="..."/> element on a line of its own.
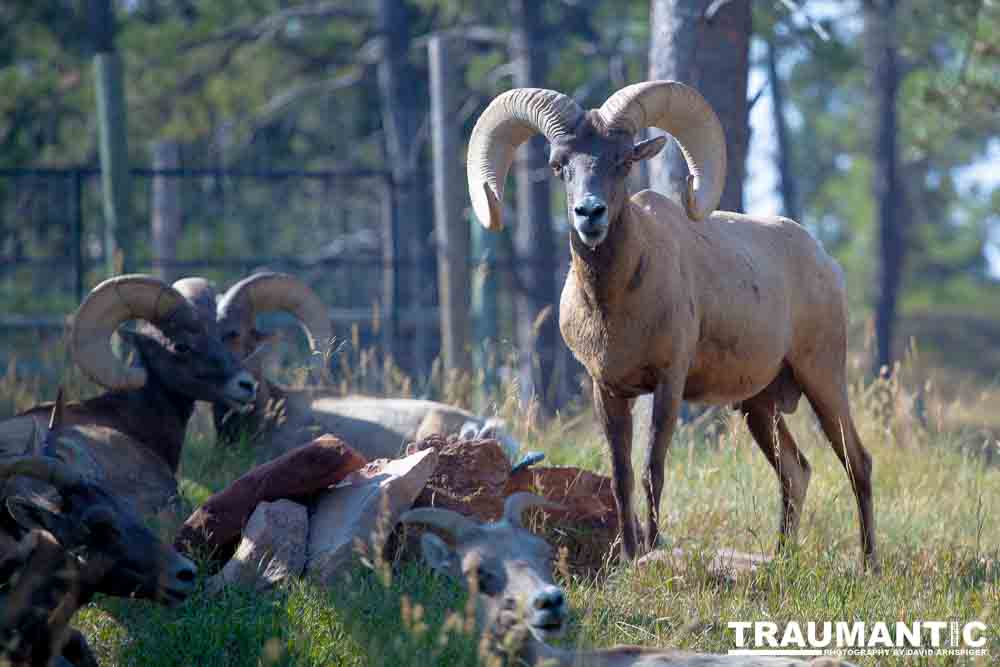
<point x="79" y="267"/>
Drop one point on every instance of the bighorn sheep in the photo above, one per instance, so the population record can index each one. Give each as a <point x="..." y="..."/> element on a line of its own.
<point x="286" y="417"/>
<point x="87" y="541"/>
<point x="131" y="436"/>
<point x="519" y="608"/>
<point x="679" y="302"/>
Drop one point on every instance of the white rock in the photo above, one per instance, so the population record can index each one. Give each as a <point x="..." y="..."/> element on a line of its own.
<point x="273" y="547"/>
<point x="362" y="511"/>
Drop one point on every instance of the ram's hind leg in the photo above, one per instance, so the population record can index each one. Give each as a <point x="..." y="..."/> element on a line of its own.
<point x="827" y="393"/>
<point x="771" y="434"/>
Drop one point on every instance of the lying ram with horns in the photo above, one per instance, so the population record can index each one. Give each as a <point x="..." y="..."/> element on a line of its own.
<point x="285" y="417"/>
<point x="71" y="540"/>
<point x="131" y="436"/>
<point x="682" y="302"/>
<point x="519" y="608"/>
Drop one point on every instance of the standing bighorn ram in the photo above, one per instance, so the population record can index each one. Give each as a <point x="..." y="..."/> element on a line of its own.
<point x="679" y="302"/>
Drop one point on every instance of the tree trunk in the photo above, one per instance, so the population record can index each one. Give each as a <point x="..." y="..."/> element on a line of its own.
<point x="166" y="205"/>
<point x="534" y="241"/>
<point x="786" y="173"/>
<point x="400" y="111"/>
<point x="883" y="70"/>
<point x="451" y="227"/>
<point x="710" y="53"/>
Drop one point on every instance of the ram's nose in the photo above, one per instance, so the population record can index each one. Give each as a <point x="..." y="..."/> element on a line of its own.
<point x="590" y="206"/>
<point x="591" y="220"/>
<point x="178" y="579"/>
<point x="242" y="388"/>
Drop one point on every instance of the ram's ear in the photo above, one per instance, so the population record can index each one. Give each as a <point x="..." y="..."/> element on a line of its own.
<point x="648" y="148"/>
<point x="439" y="555"/>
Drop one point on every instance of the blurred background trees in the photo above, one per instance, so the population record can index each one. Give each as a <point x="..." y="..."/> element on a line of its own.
<point x="873" y="121"/>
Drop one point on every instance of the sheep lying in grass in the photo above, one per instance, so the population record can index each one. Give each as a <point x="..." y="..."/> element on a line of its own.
<point x="131" y="435"/>
<point x="679" y="302"/>
<point x="284" y="417"/>
<point x="66" y="550"/>
<point x="519" y="608"/>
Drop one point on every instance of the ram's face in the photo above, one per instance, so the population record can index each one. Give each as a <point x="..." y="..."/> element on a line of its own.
<point x="117" y="554"/>
<point x="192" y="362"/>
<point x="510" y="571"/>
<point x="594" y="164"/>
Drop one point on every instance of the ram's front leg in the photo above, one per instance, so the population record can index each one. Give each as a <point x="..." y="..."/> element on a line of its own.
<point x="615" y="416"/>
<point x="666" y="407"/>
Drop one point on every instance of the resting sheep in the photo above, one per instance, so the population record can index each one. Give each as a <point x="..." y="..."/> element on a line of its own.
<point x="283" y="417"/>
<point x="66" y="549"/>
<point x="131" y="436"/>
<point x="679" y="302"/>
<point x="520" y="609"/>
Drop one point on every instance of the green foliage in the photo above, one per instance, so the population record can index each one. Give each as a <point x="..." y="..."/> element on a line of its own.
<point x="947" y="103"/>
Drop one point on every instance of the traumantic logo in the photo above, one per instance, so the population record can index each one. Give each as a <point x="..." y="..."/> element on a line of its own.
<point x="856" y="638"/>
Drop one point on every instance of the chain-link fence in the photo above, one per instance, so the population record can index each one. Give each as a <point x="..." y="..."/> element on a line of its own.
<point x="332" y="229"/>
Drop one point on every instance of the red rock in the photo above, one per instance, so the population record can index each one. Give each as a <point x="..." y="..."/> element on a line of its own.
<point x="470" y="478"/>
<point x="587" y="527"/>
<point x="215" y="527"/>
<point x="587" y="496"/>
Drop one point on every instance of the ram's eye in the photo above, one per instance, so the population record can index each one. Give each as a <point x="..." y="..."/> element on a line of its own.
<point x="557" y="168"/>
<point x="488" y="582"/>
<point x="182" y="349"/>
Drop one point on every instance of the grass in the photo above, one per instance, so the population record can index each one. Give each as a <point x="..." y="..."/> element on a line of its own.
<point x="937" y="497"/>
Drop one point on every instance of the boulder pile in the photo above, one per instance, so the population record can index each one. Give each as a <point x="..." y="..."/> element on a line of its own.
<point x="315" y="508"/>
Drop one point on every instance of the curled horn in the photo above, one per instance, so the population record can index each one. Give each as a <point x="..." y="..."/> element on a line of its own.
<point x="44" y="468"/>
<point x="265" y="292"/>
<point x="682" y="112"/>
<point x="516" y="504"/>
<point x="114" y="301"/>
<point x="510" y="120"/>
<point x="458" y="526"/>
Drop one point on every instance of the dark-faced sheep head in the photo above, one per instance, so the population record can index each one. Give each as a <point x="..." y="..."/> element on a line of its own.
<point x="116" y="553"/>
<point x="508" y="567"/>
<point x="592" y="151"/>
<point x="178" y="349"/>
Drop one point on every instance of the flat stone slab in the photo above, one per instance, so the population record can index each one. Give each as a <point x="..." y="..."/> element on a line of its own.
<point x="726" y="563"/>
<point x="361" y="513"/>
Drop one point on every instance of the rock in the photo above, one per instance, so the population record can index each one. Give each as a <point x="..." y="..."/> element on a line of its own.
<point x="470" y="477"/>
<point x="273" y="548"/>
<point x="362" y="512"/>
<point x="727" y="564"/>
<point x="587" y="527"/>
<point x="443" y="423"/>
<point x="214" y="528"/>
